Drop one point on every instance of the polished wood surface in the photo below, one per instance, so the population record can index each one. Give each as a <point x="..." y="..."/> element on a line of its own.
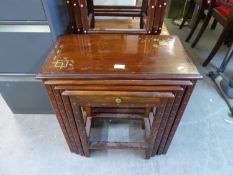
<point x="117" y="98"/>
<point x="119" y="56"/>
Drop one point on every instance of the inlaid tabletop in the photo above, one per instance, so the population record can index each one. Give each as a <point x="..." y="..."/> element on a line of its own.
<point x="119" y="57"/>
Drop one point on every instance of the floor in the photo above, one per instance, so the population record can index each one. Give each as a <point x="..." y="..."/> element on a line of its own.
<point x="203" y="144"/>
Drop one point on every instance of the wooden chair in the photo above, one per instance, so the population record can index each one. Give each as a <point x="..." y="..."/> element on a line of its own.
<point x="203" y="5"/>
<point x="224" y="15"/>
<point x="226" y="60"/>
<point x="83" y="12"/>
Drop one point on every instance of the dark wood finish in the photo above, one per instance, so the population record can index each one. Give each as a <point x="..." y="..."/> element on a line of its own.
<point x="144" y="11"/>
<point x="147" y="111"/>
<point x="122" y="88"/>
<point x="159" y="13"/>
<point x="59" y="118"/>
<point x="80" y="125"/>
<point x="119" y="99"/>
<point x="121" y="94"/>
<point x="72" y="21"/>
<point x="155" y="128"/>
<point x="127" y="83"/>
<point x="72" y="124"/>
<point x="118" y="110"/>
<point x="150" y="16"/>
<point x="77" y="14"/>
<point x="175" y="107"/>
<point x="117" y="145"/>
<point x="64" y="117"/>
<point x="83" y="13"/>
<point x="162" y="126"/>
<point x="80" y="98"/>
<point x="214" y="24"/>
<point x="179" y="116"/>
<point x="150" y="51"/>
<point x="144" y="75"/>
<point x="161" y="16"/>
<point x="119" y="117"/>
<point x="87" y="109"/>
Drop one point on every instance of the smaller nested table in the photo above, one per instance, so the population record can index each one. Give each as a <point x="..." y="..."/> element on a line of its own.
<point x="151" y="76"/>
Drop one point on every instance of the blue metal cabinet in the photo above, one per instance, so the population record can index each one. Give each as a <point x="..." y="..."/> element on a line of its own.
<point x="23" y="53"/>
<point x="22" y="10"/>
<point x="28" y="29"/>
<point x="28" y="97"/>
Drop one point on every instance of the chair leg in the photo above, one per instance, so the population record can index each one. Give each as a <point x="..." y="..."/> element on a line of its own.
<point x="92" y="22"/>
<point x="144" y="8"/>
<point x="192" y="4"/>
<point x="226" y="59"/>
<point x="141" y="23"/>
<point x="214" y="24"/>
<point x="142" y="124"/>
<point x="90" y="6"/>
<point x="206" y="22"/>
<point x="197" y="21"/>
<point x="216" y="47"/>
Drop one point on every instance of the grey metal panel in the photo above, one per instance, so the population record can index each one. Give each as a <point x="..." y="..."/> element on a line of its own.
<point x="24" y="44"/>
<point x="23" y="22"/>
<point x="23" y="52"/>
<point x="25" y="97"/>
<point x="57" y="16"/>
<point x="19" y="28"/>
<point x="21" y="10"/>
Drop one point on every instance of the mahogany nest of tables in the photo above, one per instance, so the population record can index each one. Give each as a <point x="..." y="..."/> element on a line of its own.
<point x="148" y="75"/>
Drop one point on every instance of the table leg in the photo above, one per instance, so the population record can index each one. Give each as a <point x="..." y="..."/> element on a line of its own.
<point x="150" y="16"/>
<point x="180" y="113"/>
<point x="171" y="118"/>
<point x="65" y="118"/>
<point x="59" y="118"/>
<point x="163" y="125"/>
<point x="155" y="127"/>
<point x="71" y="119"/>
<point x="72" y="25"/>
<point x="80" y="125"/>
<point x="77" y="16"/>
<point x="84" y="16"/>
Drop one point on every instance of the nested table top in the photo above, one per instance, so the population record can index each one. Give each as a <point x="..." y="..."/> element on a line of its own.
<point x="118" y="57"/>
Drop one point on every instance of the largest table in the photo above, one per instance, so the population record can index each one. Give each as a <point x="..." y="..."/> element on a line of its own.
<point x="91" y="71"/>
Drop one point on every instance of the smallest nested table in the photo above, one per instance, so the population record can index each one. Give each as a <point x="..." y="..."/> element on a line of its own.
<point x="151" y="76"/>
